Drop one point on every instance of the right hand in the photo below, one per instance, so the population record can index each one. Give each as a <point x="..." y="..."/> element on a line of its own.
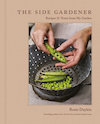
<point x="41" y="31"/>
<point x="79" y="42"/>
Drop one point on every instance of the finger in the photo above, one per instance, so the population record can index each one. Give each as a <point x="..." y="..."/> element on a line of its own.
<point x="73" y="61"/>
<point x="69" y="58"/>
<point x="38" y="48"/>
<point x="60" y="64"/>
<point x="54" y="58"/>
<point x="40" y="45"/>
<point x="70" y="64"/>
<point x="68" y="53"/>
<point x="51" y="40"/>
<point x="32" y="38"/>
<point x="65" y="45"/>
<point x="39" y="41"/>
<point x="43" y="48"/>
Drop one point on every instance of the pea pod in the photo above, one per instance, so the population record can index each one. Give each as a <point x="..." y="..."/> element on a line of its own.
<point x="58" y="55"/>
<point x="56" y="78"/>
<point x="47" y="76"/>
<point x="54" y="73"/>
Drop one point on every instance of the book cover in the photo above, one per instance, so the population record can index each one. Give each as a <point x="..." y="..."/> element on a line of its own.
<point x="50" y="62"/>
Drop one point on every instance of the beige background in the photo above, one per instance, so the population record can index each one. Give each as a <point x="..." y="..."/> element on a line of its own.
<point x="17" y="110"/>
<point x="2" y="62"/>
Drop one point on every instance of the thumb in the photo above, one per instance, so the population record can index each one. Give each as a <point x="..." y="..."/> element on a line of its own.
<point x="51" y="40"/>
<point x="64" y="45"/>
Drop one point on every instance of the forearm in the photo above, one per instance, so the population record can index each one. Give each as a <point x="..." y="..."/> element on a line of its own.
<point x="86" y="34"/>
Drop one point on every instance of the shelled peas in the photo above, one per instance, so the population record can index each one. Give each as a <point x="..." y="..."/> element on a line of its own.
<point x="58" y="85"/>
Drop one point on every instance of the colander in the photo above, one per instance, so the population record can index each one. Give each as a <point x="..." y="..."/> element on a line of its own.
<point x="42" y="62"/>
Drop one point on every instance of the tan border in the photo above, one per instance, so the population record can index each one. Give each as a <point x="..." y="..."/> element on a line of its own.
<point x="18" y="110"/>
<point x="2" y="62"/>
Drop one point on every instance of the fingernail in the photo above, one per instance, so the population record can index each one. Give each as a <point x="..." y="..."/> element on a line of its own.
<point x="52" y="46"/>
<point x="38" y="48"/>
<point x="57" y="49"/>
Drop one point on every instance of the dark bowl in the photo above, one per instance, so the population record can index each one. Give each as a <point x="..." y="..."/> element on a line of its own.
<point x="39" y="60"/>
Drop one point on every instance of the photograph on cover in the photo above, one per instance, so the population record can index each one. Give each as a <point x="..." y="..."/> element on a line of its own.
<point x="59" y="63"/>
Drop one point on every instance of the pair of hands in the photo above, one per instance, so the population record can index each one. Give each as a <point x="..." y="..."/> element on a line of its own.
<point x="78" y="41"/>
